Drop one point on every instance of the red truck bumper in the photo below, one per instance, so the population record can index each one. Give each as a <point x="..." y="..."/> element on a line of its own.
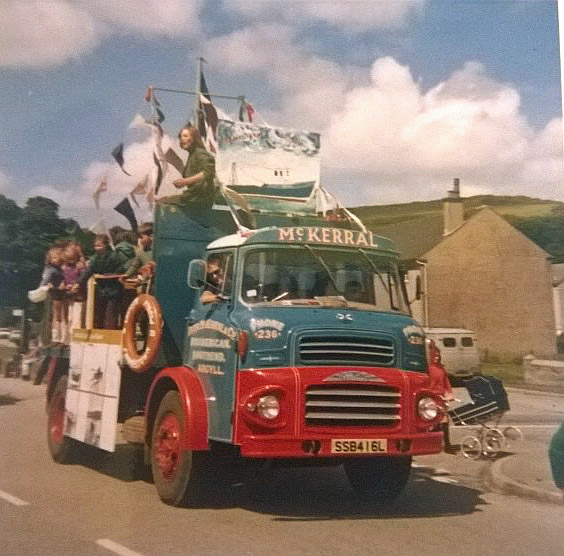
<point x="397" y="445"/>
<point x="298" y="432"/>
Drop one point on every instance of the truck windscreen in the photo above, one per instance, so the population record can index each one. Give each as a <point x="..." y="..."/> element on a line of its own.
<point x="293" y="275"/>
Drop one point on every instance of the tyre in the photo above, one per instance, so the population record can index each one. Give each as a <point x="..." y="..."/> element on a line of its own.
<point x="176" y="471"/>
<point x="512" y="434"/>
<point x="378" y="478"/>
<point x="61" y="447"/>
<point x="471" y="447"/>
<point x="493" y="442"/>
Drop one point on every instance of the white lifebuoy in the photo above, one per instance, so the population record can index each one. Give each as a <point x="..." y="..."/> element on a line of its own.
<point x="141" y="362"/>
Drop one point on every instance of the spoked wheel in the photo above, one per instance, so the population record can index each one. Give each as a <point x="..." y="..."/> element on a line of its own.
<point x="471" y="447"/>
<point x="512" y="434"/>
<point x="378" y="478"/>
<point x="493" y="442"/>
<point x="61" y="447"/>
<point x="176" y="471"/>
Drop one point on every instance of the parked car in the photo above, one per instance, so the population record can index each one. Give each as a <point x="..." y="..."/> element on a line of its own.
<point x="459" y="352"/>
<point x="15" y="335"/>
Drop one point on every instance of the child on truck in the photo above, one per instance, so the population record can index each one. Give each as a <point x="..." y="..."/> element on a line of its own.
<point x="108" y="291"/>
<point x="54" y="278"/>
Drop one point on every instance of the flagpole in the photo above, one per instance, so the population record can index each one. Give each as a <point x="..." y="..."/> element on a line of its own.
<point x="197" y="107"/>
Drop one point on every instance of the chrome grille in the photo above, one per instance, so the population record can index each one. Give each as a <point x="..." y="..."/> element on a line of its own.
<point x="357" y="404"/>
<point x="352" y="350"/>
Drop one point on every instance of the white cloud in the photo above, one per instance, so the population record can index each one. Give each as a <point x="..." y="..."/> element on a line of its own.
<point x="46" y="33"/>
<point x="403" y="143"/>
<point x="36" y="33"/>
<point x="4" y="182"/>
<point x="352" y="15"/>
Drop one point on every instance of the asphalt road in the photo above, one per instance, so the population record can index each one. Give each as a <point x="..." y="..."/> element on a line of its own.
<point x="100" y="506"/>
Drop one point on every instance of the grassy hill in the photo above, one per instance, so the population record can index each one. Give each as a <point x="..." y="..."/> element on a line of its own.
<point x="540" y="220"/>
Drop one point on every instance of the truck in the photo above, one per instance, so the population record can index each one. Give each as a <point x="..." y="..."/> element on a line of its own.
<point x="307" y="355"/>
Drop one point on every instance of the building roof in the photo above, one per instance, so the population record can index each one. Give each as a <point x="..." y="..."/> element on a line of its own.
<point x="414" y="238"/>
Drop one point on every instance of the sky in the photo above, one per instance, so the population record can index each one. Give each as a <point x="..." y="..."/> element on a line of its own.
<point x="406" y="95"/>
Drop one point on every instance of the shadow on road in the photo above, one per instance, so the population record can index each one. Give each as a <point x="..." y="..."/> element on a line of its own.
<point x="8" y="400"/>
<point x="301" y="494"/>
<point x="324" y="494"/>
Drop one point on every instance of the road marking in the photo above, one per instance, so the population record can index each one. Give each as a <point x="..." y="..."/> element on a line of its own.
<point x="117" y="548"/>
<point x="13" y="499"/>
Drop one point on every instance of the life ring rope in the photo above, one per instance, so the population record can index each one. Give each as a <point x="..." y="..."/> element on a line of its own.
<point x="141" y="362"/>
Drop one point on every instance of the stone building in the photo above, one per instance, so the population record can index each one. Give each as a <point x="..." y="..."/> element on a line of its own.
<point x="484" y="275"/>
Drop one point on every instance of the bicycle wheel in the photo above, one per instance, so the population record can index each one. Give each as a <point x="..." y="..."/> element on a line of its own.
<point x="471" y="447"/>
<point x="493" y="442"/>
<point x="512" y="434"/>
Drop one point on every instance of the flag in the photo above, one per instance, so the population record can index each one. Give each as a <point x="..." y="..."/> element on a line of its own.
<point x="100" y="229"/>
<point x="102" y="186"/>
<point x="160" y="116"/>
<point x="151" y="198"/>
<point x="125" y="209"/>
<point x="117" y="153"/>
<point x="150" y="96"/>
<point x="247" y="108"/>
<point x="140" y="189"/>
<point x="250" y="111"/>
<point x="159" y="173"/>
<point x="207" y="117"/>
<point x="172" y="158"/>
<point x="204" y="86"/>
<point x="139" y="122"/>
<point x="209" y="120"/>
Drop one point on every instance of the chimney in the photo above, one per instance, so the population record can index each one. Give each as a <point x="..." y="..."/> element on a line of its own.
<point x="453" y="213"/>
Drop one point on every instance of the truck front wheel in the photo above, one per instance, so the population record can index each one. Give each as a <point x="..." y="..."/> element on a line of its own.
<point x="176" y="471"/>
<point x="61" y="447"/>
<point x="379" y="478"/>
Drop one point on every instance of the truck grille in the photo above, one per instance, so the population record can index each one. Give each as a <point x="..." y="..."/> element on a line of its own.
<point x="353" y="350"/>
<point x="349" y="405"/>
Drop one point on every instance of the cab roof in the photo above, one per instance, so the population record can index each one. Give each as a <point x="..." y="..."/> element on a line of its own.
<point x="311" y="235"/>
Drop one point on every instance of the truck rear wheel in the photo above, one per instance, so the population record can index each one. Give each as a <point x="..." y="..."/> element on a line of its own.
<point x="378" y="478"/>
<point x="61" y="447"/>
<point x="176" y="471"/>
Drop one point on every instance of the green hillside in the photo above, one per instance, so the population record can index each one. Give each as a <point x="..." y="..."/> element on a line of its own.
<point x="540" y="220"/>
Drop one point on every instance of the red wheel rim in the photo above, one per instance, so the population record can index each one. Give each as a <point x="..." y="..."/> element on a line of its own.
<point x="168" y="447"/>
<point x="57" y="418"/>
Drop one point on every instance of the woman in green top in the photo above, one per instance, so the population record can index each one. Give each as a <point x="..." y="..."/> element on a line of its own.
<point x="199" y="172"/>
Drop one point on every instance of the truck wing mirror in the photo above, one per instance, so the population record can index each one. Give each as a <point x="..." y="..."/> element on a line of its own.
<point x="197" y="274"/>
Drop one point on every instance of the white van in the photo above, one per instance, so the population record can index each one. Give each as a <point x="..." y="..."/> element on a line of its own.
<point x="459" y="352"/>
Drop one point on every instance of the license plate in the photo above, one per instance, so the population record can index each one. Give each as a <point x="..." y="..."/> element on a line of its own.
<point x="359" y="446"/>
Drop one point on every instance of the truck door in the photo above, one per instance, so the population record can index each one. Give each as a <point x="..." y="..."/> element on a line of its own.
<point x="211" y="342"/>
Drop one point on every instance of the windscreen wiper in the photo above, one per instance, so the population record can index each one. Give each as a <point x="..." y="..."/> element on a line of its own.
<point x="324" y="264"/>
<point x="378" y="273"/>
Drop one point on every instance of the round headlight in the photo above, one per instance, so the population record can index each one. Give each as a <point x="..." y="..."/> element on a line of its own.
<point x="268" y="407"/>
<point x="428" y="409"/>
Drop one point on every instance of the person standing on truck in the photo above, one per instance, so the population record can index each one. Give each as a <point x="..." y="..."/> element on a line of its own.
<point x="144" y="251"/>
<point x="199" y="172"/>
<point x="108" y="291"/>
<point x="54" y="278"/>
